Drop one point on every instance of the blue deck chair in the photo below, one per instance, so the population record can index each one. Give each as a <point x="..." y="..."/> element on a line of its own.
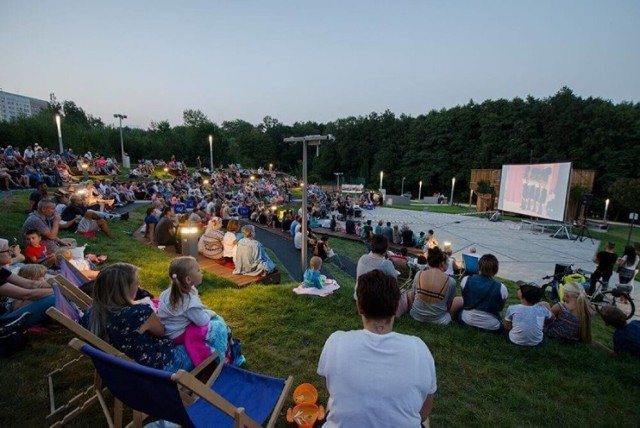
<point x="470" y="264"/>
<point x="232" y="398"/>
<point x="71" y="273"/>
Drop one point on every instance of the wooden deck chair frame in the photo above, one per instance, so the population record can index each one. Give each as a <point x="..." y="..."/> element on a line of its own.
<point x="202" y="391"/>
<point x="74" y="294"/>
<point x="88" y="396"/>
<point x="405" y="279"/>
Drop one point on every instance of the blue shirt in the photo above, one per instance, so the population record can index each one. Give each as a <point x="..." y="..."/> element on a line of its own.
<point x="627" y="339"/>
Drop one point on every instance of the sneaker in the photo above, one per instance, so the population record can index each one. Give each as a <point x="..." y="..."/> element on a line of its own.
<point x="124" y="217"/>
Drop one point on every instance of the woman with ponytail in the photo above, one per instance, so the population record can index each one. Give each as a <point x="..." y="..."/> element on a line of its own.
<point x="571" y="318"/>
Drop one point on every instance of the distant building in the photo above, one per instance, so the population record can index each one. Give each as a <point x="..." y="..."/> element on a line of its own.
<point x="13" y="105"/>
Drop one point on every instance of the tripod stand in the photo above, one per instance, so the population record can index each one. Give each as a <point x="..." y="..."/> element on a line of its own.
<point x="584" y="231"/>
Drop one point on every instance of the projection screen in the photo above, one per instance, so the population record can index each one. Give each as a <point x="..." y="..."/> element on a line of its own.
<point x="538" y="190"/>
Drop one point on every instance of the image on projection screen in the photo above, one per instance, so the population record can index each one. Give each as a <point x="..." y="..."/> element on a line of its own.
<point x="538" y="190"/>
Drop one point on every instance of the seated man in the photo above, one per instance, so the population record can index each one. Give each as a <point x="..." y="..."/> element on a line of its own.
<point x="90" y="221"/>
<point x="407" y="236"/>
<point x="46" y="221"/>
<point x="251" y="257"/>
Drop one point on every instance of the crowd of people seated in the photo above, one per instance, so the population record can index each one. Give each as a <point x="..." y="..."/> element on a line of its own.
<point x="163" y="337"/>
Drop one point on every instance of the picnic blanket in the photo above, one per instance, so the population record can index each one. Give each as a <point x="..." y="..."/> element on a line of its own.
<point x="330" y="285"/>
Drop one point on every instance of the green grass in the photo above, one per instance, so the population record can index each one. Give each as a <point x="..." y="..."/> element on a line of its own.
<point x="482" y="381"/>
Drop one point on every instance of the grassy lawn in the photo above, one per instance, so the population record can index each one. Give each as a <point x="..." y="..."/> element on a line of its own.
<point x="482" y="381"/>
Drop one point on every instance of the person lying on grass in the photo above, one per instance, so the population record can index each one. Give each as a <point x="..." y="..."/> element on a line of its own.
<point x="19" y="295"/>
<point x="626" y="338"/>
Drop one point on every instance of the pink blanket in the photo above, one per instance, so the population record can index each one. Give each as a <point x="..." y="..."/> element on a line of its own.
<point x="194" y="341"/>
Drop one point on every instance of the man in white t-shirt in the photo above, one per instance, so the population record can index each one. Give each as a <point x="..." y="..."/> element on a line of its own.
<point x="376" y="377"/>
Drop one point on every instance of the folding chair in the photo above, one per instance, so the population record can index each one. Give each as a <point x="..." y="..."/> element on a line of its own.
<point x="71" y="273"/>
<point x="405" y="279"/>
<point x="62" y="414"/>
<point x="71" y="292"/>
<point x="233" y="397"/>
<point x="470" y="264"/>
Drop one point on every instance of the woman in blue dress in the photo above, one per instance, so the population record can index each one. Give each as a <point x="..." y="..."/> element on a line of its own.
<point x="133" y="328"/>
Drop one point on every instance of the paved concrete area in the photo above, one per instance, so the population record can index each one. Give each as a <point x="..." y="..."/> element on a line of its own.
<point x="523" y="254"/>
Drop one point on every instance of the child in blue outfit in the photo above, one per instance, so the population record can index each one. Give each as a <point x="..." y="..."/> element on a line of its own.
<point x="524" y="322"/>
<point x="312" y="277"/>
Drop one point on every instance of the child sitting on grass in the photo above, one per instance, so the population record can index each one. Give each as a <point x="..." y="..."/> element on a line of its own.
<point x="312" y="277"/>
<point x="626" y="338"/>
<point x="35" y="252"/>
<point x="572" y="318"/>
<point x="34" y="273"/>
<point x="524" y="322"/>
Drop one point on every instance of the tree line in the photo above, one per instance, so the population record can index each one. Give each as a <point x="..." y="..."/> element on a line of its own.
<point x="433" y="148"/>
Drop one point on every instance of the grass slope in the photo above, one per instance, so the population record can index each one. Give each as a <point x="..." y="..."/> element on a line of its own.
<point x="482" y="381"/>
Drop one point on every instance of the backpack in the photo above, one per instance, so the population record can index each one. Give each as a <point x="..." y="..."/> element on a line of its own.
<point x="12" y="336"/>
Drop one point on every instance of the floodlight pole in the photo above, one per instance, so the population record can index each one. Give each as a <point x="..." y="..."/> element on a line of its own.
<point x="312" y="140"/>
<point x="121" y="116"/>
<point x="59" y="133"/>
<point x="211" y="155"/>
<point x="338" y="174"/>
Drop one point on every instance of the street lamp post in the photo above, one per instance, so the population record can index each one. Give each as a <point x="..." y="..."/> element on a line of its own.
<point x="381" y="175"/>
<point x="402" y="187"/>
<point x="420" y="190"/>
<point x="453" y="186"/>
<point x="338" y="174"/>
<point x="211" y="154"/>
<point x="312" y="140"/>
<point x="121" y="116"/>
<point x="606" y="208"/>
<point x="59" y="134"/>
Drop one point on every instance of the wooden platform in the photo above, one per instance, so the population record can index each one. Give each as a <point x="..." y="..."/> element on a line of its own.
<point x="212" y="266"/>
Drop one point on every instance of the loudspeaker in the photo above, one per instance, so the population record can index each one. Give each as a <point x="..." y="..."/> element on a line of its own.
<point x="587" y="199"/>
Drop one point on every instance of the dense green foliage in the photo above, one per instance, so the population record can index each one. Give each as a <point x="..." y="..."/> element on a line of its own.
<point x="592" y="133"/>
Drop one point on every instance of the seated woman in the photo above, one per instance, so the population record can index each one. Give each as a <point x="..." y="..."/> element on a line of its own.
<point x="210" y="243"/>
<point x="251" y="256"/>
<point x="134" y="329"/>
<point x="482" y="297"/>
<point x="394" y="372"/>
<point x="27" y="295"/>
<point x="433" y="291"/>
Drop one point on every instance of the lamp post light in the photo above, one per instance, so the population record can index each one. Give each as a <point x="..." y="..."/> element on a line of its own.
<point x="211" y="154"/>
<point x="338" y="174"/>
<point x="381" y="175"/>
<point x="59" y="134"/>
<point x="453" y="186"/>
<point x="312" y="140"/>
<point x="402" y="187"/>
<point x="121" y="116"/>
<point x="85" y="170"/>
<point x="606" y="208"/>
<point x="420" y="190"/>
